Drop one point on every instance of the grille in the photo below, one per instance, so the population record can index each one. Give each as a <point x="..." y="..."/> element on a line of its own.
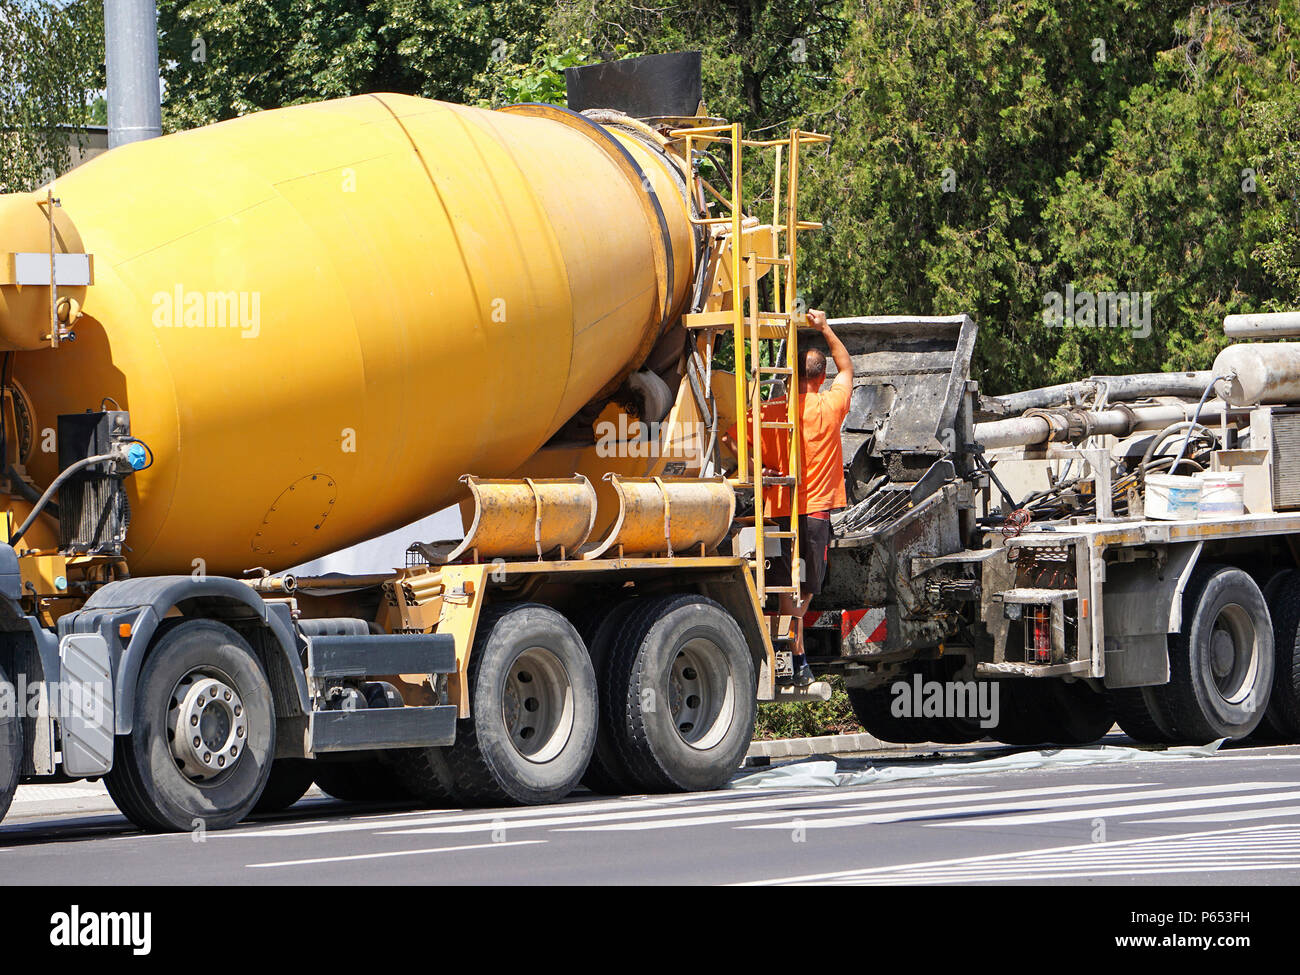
<point x="1286" y="460"/>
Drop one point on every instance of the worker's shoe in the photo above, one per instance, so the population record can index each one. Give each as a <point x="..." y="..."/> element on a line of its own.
<point x="803" y="675"/>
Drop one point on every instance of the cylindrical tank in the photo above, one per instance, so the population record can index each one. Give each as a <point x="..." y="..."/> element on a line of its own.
<point x="320" y="317"/>
<point x="1263" y="372"/>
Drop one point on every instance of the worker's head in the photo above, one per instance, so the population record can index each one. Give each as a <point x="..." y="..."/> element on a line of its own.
<point x="812" y="371"/>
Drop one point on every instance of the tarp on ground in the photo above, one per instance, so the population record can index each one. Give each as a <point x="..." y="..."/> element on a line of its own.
<point x="827" y="773"/>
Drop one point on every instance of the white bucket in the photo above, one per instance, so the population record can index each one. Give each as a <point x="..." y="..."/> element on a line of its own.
<point x="1223" y="493"/>
<point x="1172" y="497"/>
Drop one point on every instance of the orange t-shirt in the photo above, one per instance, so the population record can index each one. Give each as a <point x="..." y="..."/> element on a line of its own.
<point x="822" y="484"/>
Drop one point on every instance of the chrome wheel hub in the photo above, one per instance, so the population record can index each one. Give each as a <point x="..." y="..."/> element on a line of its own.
<point x="209" y="725"/>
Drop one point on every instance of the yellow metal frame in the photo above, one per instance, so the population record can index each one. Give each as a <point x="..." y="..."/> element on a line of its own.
<point x="780" y="323"/>
<point x="450" y="598"/>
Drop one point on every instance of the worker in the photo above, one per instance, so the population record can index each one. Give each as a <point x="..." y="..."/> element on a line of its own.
<point x="821" y="486"/>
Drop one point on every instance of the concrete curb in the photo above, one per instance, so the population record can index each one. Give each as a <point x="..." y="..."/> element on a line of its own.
<point x="824" y="745"/>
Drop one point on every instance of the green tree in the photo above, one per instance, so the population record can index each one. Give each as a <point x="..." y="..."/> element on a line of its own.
<point x="51" y="66"/>
<point x="224" y="58"/>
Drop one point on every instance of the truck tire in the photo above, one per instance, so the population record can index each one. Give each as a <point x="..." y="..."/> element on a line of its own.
<point x="288" y="782"/>
<point x="1048" y="710"/>
<point x="532" y="724"/>
<point x="1023" y="717"/>
<point x="161" y="780"/>
<point x="1077" y="714"/>
<point x="11" y="741"/>
<point x="681" y="688"/>
<point x="1221" y="663"/>
<point x="1136" y="715"/>
<point x="606" y="773"/>
<point x="873" y="709"/>
<point x="424" y="774"/>
<point x="1282" y="716"/>
<point x="366" y="779"/>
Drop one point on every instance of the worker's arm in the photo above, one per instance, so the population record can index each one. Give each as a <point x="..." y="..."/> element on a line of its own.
<point x="839" y="354"/>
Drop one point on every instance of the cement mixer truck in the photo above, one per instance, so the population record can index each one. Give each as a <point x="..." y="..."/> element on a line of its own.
<point x="232" y="350"/>
<point x="229" y="351"/>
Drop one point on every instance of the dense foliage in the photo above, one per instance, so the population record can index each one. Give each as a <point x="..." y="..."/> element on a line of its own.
<point x="988" y="155"/>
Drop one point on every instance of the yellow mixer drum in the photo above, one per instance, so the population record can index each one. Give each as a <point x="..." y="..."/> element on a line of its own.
<point x="320" y="317"/>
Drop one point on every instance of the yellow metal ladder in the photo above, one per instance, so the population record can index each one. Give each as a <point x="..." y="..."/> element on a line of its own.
<point x="779" y="324"/>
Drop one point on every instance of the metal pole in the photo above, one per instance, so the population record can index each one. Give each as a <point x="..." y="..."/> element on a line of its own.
<point x="131" y="60"/>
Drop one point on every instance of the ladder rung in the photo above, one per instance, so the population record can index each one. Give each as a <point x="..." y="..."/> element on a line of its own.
<point x="709" y="319"/>
<point x="779" y="261"/>
<point x="788" y="590"/>
<point x="767" y="482"/>
<point x="777" y="370"/>
<point x="778" y="534"/>
<point x="808" y="225"/>
<point x="776" y="425"/>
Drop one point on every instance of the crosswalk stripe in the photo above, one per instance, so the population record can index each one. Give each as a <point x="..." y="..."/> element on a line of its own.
<point x="1231" y="816"/>
<point x="558" y="817"/>
<point x="1227" y="842"/>
<point x="355" y="823"/>
<point x="977" y="878"/>
<point x="1027" y="808"/>
<point x="1031" y="819"/>
<point x="392" y="853"/>
<point x="916" y="808"/>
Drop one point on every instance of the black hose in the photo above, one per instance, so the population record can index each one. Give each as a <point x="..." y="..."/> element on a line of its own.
<point x="54" y="486"/>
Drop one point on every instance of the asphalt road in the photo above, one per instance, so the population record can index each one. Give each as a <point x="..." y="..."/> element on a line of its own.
<point x="1231" y="818"/>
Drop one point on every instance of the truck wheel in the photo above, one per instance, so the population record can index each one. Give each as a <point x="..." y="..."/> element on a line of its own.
<point x="1077" y="714"/>
<point x="424" y="774"/>
<point x="359" y="780"/>
<point x="11" y="742"/>
<point x="872" y="708"/>
<point x="288" y="782"/>
<point x="606" y="773"/>
<point x="204" y="732"/>
<point x="1022" y="712"/>
<point x="1283" y="713"/>
<point x="1221" y="663"/>
<point x="681" y="689"/>
<point x="1047" y="710"/>
<point x="1137" y="715"/>
<point x="532" y="723"/>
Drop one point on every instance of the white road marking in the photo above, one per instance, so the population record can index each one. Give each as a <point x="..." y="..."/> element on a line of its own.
<point x="1027" y="808"/>
<point x="901" y="809"/>
<point x="394" y="853"/>
<point x="1245" y="849"/>
<point x="915" y="808"/>
<point x="1231" y="816"/>
<point x="558" y="818"/>
<point x="1032" y="819"/>
<point x="409" y="818"/>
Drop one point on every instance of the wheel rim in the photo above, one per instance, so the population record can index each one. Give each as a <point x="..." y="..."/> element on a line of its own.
<point x="1234" y="654"/>
<point x="701" y="694"/>
<point x="208" y="725"/>
<point x="537" y="706"/>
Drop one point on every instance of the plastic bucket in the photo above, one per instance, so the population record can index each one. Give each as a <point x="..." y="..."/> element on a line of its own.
<point x="1223" y="493"/>
<point x="1172" y="497"/>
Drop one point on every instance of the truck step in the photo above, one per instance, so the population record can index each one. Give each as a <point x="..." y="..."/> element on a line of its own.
<point x="818" y="690"/>
<point x="367" y="728"/>
<point x="379" y="654"/>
